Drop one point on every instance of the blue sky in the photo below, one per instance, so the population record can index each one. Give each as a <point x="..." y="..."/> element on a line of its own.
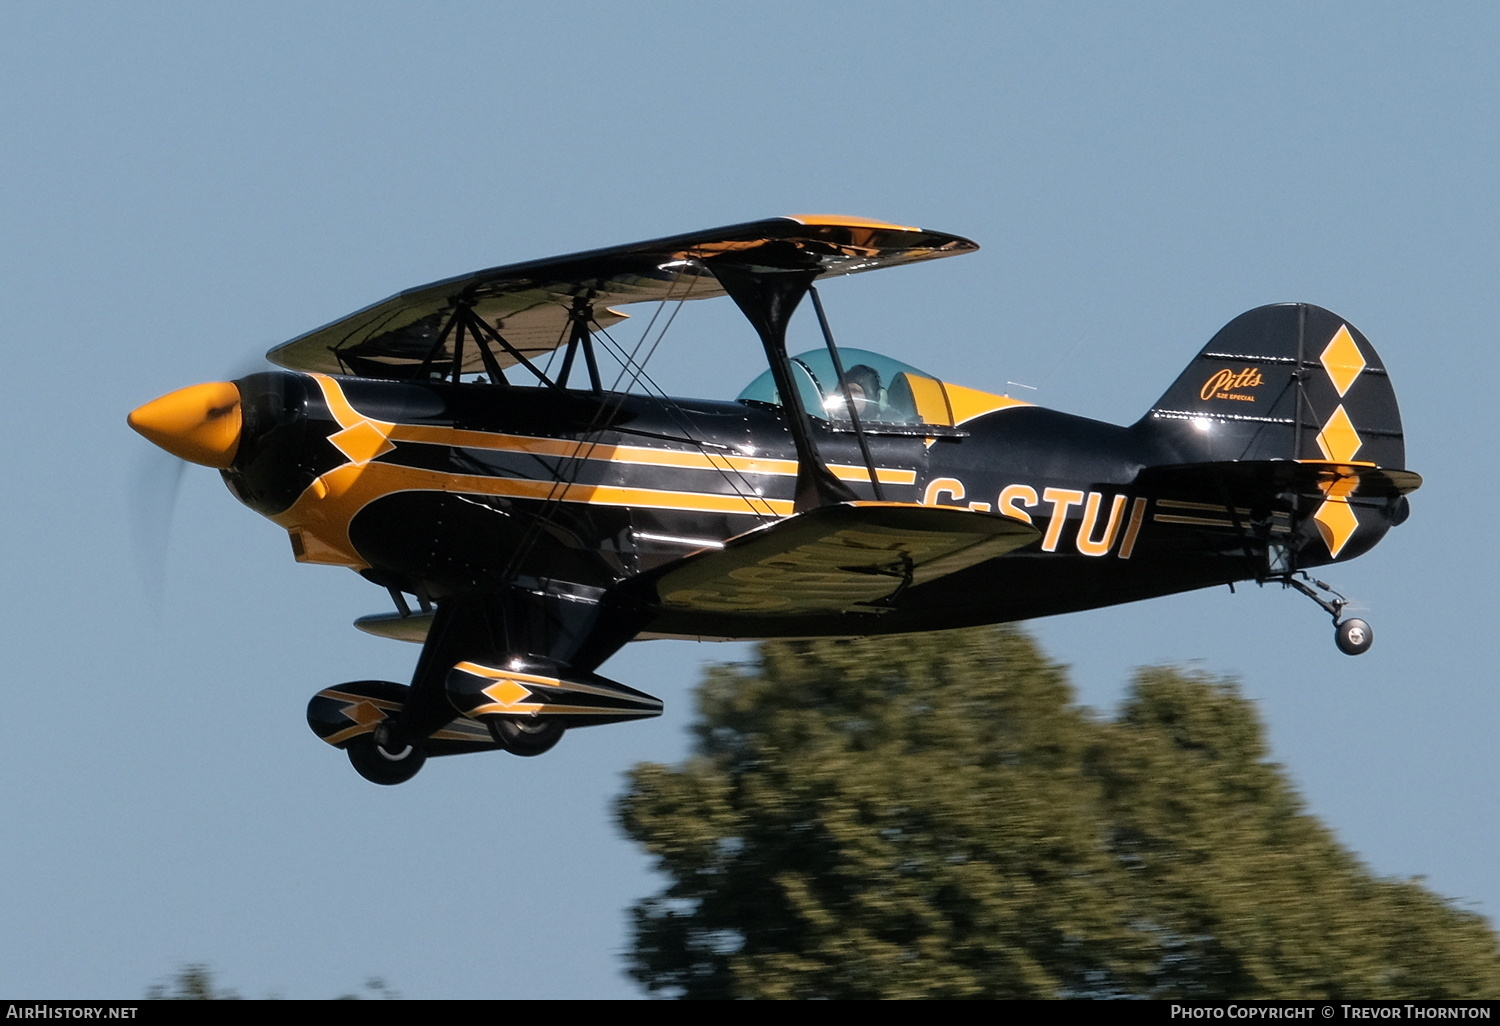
<point x="188" y="184"/>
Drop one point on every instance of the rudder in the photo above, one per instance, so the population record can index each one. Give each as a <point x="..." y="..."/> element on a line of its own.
<point x="1290" y="381"/>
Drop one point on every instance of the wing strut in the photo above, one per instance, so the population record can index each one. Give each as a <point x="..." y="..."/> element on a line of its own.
<point x="849" y="403"/>
<point x="767" y="296"/>
<point x="483" y="334"/>
<point x="579" y="337"/>
<point x="465" y="322"/>
<point x="453" y="322"/>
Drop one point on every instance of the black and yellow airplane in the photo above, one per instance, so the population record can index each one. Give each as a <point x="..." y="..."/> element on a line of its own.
<point x="459" y="443"/>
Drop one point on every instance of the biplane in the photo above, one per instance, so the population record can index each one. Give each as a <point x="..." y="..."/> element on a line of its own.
<point x="468" y="446"/>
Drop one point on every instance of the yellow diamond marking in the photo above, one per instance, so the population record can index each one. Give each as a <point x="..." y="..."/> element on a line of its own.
<point x="1336" y="523"/>
<point x="1340" y="484"/>
<point x="361" y="442"/>
<point x="507" y="692"/>
<point x="1338" y="439"/>
<point x="1342" y="360"/>
<point x="363" y="713"/>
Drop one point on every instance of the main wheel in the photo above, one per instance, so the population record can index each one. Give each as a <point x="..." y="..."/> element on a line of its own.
<point x="1353" y="637"/>
<point x="527" y="736"/>
<point x="381" y="766"/>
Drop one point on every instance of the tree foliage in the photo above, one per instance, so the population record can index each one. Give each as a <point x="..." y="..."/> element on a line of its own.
<point x="932" y="816"/>
<point x="194" y="981"/>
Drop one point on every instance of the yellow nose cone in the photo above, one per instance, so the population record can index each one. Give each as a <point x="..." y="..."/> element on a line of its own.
<point x="200" y="424"/>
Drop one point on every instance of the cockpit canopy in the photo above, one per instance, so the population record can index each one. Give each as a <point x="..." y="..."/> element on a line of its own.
<point x="884" y="391"/>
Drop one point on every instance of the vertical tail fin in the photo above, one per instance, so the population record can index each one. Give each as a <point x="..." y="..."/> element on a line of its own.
<point x="1286" y="382"/>
<point x="1292" y="399"/>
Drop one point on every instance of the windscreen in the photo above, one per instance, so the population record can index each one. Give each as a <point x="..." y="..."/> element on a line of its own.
<point x="880" y="386"/>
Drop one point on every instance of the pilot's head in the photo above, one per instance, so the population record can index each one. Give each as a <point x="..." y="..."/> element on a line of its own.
<point x="864" y="384"/>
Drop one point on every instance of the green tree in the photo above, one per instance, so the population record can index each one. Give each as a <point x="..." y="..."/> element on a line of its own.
<point x="1244" y="894"/>
<point x="932" y="816"/>
<point x="193" y="982"/>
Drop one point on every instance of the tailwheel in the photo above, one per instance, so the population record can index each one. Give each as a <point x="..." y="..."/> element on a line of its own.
<point x="380" y="764"/>
<point x="1353" y="637"/>
<point x="525" y="735"/>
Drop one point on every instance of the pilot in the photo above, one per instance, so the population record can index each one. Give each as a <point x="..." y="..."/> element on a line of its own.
<point x="864" y="388"/>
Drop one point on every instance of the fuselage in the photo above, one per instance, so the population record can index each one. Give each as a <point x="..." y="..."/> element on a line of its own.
<point x="442" y="490"/>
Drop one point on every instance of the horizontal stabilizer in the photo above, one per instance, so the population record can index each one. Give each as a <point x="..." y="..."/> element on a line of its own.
<point x="1247" y="482"/>
<point x="854" y="557"/>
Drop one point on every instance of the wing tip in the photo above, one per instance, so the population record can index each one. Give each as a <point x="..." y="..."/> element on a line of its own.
<point x="843" y="221"/>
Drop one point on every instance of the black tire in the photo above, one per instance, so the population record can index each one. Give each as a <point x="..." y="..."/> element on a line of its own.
<point x="529" y="736"/>
<point x="1353" y="637"/>
<point x="379" y="766"/>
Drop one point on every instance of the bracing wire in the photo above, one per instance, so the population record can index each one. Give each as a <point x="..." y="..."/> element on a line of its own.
<point x="631" y="364"/>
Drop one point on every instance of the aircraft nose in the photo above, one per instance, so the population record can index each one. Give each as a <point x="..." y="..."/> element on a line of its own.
<point x="200" y="423"/>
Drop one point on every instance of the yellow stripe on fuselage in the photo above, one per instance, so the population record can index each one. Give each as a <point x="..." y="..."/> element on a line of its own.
<point x="637" y="455"/>
<point x="321" y="516"/>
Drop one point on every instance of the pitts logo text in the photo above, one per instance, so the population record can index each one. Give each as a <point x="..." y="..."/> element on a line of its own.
<point x="1227" y="383"/>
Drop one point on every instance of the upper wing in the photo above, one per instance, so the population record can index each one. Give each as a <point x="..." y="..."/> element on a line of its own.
<point x="532" y="304"/>
<point x="849" y="558"/>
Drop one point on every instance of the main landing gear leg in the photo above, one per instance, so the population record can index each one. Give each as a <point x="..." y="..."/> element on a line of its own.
<point x="1352" y="636"/>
